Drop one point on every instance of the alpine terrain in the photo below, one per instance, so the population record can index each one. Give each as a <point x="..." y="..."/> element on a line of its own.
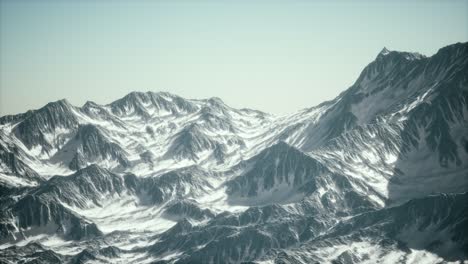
<point x="377" y="175"/>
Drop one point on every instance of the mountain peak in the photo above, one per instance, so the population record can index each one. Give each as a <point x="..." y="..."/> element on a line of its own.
<point x="63" y="103"/>
<point x="145" y="103"/>
<point x="143" y="95"/>
<point x="90" y="104"/>
<point x="216" y="101"/>
<point x="384" y="52"/>
<point x="163" y="93"/>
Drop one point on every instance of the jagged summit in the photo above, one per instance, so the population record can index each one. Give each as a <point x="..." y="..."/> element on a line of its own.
<point x="35" y="128"/>
<point x="89" y="104"/>
<point x="383" y="52"/>
<point x="62" y="102"/>
<point x="190" y="142"/>
<point x="146" y="96"/>
<point x="145" y="105"/>
<point x="392" y="55"/>
<point x="91" y="144"/>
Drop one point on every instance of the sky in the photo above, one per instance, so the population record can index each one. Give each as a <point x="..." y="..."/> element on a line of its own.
<point x="275" y="56"/>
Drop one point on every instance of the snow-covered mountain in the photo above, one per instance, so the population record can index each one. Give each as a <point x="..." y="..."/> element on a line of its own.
<point x="378" y="174"/>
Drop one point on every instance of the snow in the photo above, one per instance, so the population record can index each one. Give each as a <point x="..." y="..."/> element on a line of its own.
<point x="367" y="252"/>
<point x="362" y="155"/>
<point x="126" y="213"/>
<point x="217" y="201"/>
<point x="15" y="181"/>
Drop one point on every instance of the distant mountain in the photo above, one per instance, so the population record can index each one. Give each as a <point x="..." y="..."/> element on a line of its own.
<point x="377" y="175"/>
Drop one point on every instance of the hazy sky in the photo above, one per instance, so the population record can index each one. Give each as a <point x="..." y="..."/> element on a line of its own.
<point x="276" y="56"/>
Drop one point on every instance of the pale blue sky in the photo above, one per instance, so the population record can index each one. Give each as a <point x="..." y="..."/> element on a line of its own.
<point x="276" y="56"/>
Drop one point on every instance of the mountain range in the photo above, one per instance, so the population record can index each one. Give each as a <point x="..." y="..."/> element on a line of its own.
<point x="377" y="175"/>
